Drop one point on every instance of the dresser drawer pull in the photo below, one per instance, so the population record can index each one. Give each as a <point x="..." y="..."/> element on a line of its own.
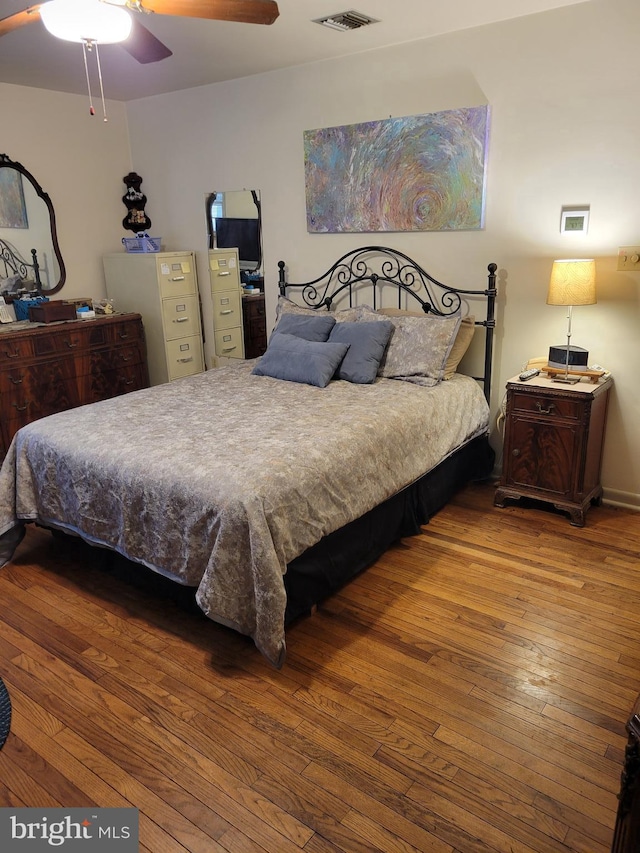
<point x="71" y="344"/>
<point x="184" y="360"/>
<point x="546" y="411"/>
<point x="16" y="381"/>
<point x="124" y="381"/>
<point x="13" y="354"/>
<point x="124" y="357"/>
<point x="21" y="408"/>
<point x="123" y="336"/>
<point x="177" y="278"/>
<point x="515" y="452"/>
<point x="181" y="320"/>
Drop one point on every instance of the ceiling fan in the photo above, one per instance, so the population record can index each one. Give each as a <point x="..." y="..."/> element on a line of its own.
<point x="141" y="43"/>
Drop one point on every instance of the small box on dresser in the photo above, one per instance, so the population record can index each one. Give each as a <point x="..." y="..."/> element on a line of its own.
<point x="554" y="436"/>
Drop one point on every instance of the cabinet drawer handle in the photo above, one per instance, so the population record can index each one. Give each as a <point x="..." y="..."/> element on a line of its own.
<point x="16" y="381"/>
<point x="226" y="272"/>
<point x="228" y="311"/>
<point x="70" y="344"/>
<point x="228" y="349"/>
<point x="185" y="360"/>
<point x="21" y="408"/>
<point x="177" y="278"/>
<point x="181" y="320"/>
<point x="13" y="354"/>
<point x="123" y="336"/>
<point x="125" y="357"/>
<point x="546" y="411"/>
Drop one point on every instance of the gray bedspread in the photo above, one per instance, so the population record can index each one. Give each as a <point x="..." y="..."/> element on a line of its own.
<point x="219" y="480"/>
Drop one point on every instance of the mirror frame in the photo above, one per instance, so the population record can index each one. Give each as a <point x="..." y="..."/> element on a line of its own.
<point x="8" y="163"/>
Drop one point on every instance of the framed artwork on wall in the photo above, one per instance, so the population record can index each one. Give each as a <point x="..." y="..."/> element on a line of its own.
<point x="417" y="173"/>
<point x="13" y="210"/>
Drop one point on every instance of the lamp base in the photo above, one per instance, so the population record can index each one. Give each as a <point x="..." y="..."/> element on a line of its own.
<point x="566" y="380"/>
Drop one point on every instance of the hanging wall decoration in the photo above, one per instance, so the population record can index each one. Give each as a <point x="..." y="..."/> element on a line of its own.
<point x="135" y="200"/>
<point x="418" y="173"/>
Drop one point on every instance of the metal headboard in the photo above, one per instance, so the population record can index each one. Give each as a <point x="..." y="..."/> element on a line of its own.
<point x="13" y="264"/>
<point x="375" y="267"/>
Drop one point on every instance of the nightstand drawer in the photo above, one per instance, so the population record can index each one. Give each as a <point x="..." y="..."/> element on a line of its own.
<point x="549" y="406"/>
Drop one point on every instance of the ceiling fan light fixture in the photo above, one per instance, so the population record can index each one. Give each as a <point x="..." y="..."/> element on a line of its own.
<point x="86" y="21"/>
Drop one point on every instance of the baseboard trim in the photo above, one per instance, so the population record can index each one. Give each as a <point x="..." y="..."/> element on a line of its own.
<point x="624" y="500"/>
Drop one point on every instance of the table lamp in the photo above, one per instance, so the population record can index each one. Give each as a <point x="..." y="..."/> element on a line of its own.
<point x="573" y="282"/>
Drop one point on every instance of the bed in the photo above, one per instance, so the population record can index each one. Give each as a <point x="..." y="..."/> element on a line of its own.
<point x="267" y="493"/>
<point x="18" y="276"/>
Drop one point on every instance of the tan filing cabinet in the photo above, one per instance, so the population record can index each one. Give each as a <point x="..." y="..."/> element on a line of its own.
<point x="226" y="294"/>
<point x="163" y="288"/>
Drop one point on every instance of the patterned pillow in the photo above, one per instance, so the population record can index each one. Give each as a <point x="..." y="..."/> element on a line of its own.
<point x="419" y="348"/>
<point x="461" y="343"/>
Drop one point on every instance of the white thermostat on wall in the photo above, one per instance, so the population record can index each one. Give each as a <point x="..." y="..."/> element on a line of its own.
<point x="574" y="220"/>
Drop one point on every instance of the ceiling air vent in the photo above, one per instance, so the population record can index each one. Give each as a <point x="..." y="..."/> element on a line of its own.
<point x="346" y="21"/>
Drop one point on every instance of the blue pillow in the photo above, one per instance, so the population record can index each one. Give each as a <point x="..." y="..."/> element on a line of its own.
<point x="367" y="345"/>
<point x="314" y="328"/>
<point x="298" y="360"/>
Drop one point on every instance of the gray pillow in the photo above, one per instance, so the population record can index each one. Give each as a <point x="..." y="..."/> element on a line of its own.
<point x="312" y="328"/>
<point x="367" y="343"/>
<point x="298" y="360"/>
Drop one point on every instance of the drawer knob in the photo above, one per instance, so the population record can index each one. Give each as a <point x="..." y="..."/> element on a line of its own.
<point x="516" y="452"/>
<point x="544" y="411"/>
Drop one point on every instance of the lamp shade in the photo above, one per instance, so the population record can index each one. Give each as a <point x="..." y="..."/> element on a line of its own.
<point x="573" y="282"/>
<point x="86" y="20"/>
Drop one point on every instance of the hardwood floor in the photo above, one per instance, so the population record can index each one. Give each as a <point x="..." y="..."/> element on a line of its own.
<point x="467" y="694"/>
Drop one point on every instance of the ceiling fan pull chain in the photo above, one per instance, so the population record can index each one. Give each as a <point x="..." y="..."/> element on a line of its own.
<point x="104" y="108"/>
<point x="86" y="71"/>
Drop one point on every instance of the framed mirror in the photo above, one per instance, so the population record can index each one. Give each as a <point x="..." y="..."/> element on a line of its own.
<point x="30" y="256"/>
<point x="234" y="220"/>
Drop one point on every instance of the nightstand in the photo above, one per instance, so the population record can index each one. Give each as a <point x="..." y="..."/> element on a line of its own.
<point x="553" y="442"/>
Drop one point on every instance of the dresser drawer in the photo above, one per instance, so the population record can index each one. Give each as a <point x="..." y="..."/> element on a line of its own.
<point x="176" y="277"/>
<point x="254" y="307"/>
<point x="226" y="309"/>
<point x="547" y="405"/>
<point x="229" y="343"/>
<point x="13" y="350"/>
<point x="184" y="357"/>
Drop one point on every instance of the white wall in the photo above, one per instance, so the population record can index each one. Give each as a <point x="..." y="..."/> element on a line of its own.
<point x="79" y="161"/>
<point x="563" y="88"/>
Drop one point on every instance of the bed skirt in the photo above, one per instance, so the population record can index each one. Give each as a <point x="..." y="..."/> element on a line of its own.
<point x="340" y="556"/>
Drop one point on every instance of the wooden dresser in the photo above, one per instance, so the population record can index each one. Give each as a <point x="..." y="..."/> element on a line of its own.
<point x="46" y="369"/>
<point x="255" y="325"/>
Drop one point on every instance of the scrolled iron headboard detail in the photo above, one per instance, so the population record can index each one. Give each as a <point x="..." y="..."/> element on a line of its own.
<point x="374" y="267"/>
<point x="13" y="263"/>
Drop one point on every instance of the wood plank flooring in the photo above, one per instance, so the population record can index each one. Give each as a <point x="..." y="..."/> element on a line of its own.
<point x="466" y="694"/>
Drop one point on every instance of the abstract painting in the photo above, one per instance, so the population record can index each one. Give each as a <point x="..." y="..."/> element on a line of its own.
<point x="417" y="173"/>
<point x="13" y="211"/>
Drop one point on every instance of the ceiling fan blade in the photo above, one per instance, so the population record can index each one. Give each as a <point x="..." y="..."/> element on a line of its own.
<point x="243" y="11"/>
<point x="143" y="45"/>
<point x="13" y="22"/>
